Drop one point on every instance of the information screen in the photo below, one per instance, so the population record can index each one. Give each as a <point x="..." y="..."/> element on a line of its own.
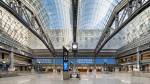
<point x="84" y="61"/>
<point x="66" y="67"/>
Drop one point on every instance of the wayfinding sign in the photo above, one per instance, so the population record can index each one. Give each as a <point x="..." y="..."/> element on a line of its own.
<point x="65" y="60"/>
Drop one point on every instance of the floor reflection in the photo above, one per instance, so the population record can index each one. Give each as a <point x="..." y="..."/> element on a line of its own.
<point x="86" y="78"/>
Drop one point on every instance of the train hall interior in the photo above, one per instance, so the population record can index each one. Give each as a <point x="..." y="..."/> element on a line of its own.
<point x="74" y="41"/>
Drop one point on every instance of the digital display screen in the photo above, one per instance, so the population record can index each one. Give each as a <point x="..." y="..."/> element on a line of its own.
<point x="84" y="61"/>
<point x="66" y="67"/>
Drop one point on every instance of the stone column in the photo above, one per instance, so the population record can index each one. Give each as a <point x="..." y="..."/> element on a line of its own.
<point x="54" y="69"/>
<point x="32" y="69"/>
<point x="88" y="69"/>
<point x="137" y="59"/>
<point x="33" y="65"/>
<point x="116" y="69"/>
<point x="11" y="59"/>
<point x="149" y="68"/>
<point x="102" y="68"/>
<point x="46" y="69"/>
<point x="130" y="68"/>
<point x="0" y="60"/>
<point x="0" y="55"/>
<point x="54" y="65"/>
<point x="94" y="71"/>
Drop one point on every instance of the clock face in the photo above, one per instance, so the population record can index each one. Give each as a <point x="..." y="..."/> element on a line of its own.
<point x="74" y="46"/>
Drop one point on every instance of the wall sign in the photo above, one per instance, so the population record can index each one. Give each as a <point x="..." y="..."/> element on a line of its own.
<point x="65" y="60"/>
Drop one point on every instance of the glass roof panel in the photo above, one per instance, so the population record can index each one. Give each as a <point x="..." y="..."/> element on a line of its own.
<point x="60" y="22"/>
<point x="92" y="17"/>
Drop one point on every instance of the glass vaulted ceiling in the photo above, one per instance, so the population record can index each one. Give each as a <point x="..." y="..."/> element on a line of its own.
<point x="60" y="22"/>
<point x="92" y="17"/>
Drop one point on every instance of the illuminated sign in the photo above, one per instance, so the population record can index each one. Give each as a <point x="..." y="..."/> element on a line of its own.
<point x="44" y="61"/>
<point x="65" y="59"/>
<point x="66" y="67"/>
<point x="85" y="61"/>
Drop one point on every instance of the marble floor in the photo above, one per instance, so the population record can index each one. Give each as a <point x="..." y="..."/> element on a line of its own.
<point x="86" y="78"/>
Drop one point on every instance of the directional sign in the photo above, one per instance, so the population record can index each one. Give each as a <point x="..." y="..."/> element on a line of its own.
<point x="65" y="59"/>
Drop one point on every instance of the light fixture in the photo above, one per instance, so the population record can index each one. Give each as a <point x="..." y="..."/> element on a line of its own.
<point x="74" y="46"/>
<point x="3" y="62"/>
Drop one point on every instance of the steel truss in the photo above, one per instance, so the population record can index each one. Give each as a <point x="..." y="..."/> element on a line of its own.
<point x="7" y="43"/>
<point x="122" y="14"/>
<point x="29" y="19"/>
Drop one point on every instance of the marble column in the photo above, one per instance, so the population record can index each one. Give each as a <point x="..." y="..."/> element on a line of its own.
<point x="0" y="60"/>
<point x="0" y="56"/>
<point x="94" y="71"/>
<point x="12" y="61"/>
<point x="54" y="65"/>
<point x="32" y="69"/>
<point x="116" y="69"/>
<point x="137" y="59"/>
<point x="88" y="69"/>
<point x="130" y="68"/>
<point x="54" y="69"/>
<point x="149" y="68"/>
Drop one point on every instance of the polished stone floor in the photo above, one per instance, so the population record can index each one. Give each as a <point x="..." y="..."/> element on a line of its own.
<point x="86" y="78"/>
